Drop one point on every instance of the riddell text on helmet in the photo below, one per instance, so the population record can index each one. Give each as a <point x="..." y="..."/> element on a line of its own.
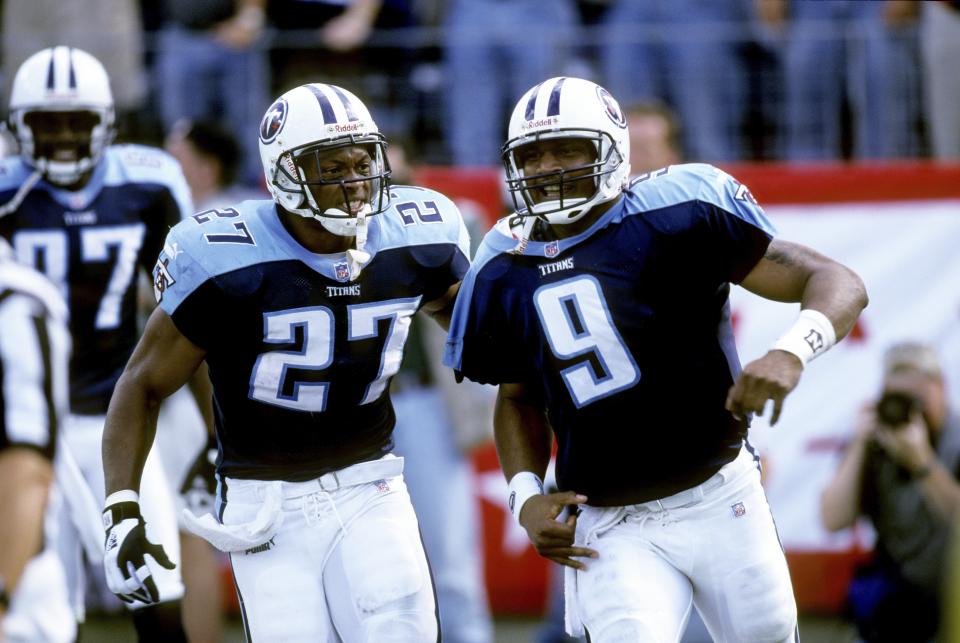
<point x="541" y="122"/>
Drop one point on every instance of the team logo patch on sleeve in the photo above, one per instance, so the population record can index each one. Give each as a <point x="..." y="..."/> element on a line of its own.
<point x="162" y="279"/>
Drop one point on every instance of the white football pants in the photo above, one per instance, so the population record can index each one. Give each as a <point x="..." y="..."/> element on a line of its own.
<point x="345" y="564"/>
<point x="714" y="547"/>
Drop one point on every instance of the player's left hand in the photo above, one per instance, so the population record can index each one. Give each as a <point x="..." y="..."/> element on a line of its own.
<point x="771" y="377"/>
<point x="126" y="550"/>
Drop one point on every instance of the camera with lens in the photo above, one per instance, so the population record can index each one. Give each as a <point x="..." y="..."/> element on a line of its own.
<point x="895" y="408"/>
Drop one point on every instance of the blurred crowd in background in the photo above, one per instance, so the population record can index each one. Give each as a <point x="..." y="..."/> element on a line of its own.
<point x="751" y="80"/>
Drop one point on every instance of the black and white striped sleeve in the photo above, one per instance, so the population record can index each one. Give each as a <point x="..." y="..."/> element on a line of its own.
<point x="34" y="360"/>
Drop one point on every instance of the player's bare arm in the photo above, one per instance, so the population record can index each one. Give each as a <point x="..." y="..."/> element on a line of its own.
<point x="523" y="439"/>
<point x="163" y="361"/>
<point x="441" y="308"/>
<point x="790" y="272"/>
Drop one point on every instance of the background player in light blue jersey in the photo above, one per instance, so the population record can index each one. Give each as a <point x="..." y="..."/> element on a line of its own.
<point x="300" y="306"/>
<point x="90" y="216"/>
<point x="601" y="309"/>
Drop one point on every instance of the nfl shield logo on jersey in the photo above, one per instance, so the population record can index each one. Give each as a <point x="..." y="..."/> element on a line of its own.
<point x="342" y="271"/>
<point x="552" y="249"/>
<point x="738" y="510"/>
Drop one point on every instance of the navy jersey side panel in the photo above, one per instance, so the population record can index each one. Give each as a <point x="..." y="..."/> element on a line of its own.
<point x="625" y="330"/>
<point x="92" y="243"/>
<point x="301" y="357"/>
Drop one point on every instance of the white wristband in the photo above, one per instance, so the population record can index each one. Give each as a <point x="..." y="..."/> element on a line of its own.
<point x="523" y="486"/>
<point x="810" y="336"/>
<point x="124" y="495"/>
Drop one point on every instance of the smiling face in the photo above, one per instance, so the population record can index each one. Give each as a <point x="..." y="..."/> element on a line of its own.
<point x="62" y="136"/>
<point x="552" y="168"/>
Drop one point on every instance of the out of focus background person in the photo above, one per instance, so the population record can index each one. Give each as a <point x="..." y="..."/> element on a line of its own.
<point x="438" y="424"/>
<point x="211" y="158"/>
<point x="940" y="48"/>
<point x="901" y="471"/>
<point x="847" y="56"/>
<point x="211" y="64"/>
<point x="34" y="389"/>
<point x="493" y="52"/>
<point x="110" y="30"/>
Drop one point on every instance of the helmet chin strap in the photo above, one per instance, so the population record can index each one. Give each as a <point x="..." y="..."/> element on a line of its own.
<point x="357" y="257"/>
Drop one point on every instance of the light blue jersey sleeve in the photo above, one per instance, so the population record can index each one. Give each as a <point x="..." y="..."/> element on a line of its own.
<point x="211" y="243"/>
<point x="143" y="164"/>
<point x="421" y="217"/>
<point x="697" y="181"/>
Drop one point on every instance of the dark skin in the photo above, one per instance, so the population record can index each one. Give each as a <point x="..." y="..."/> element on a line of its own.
<point x="59" y="136"/>
<point x="788" y="272"/>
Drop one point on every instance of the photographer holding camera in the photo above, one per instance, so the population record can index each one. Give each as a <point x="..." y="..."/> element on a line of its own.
<point x="901" y="471"/>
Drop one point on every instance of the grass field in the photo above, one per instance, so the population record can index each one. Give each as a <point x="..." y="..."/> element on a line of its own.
<point x="116" y="629"/>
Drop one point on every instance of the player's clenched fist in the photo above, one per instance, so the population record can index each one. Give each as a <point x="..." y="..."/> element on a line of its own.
<point x="126" y="550"/>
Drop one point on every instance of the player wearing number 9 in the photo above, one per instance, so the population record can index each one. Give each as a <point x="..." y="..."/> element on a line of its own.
<point x="300" y="306"/>
<point x="600" y="308"/>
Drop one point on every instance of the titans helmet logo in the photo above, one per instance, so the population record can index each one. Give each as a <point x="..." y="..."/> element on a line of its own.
<point x="612" y="107"/>
<point x="273" y="121"/>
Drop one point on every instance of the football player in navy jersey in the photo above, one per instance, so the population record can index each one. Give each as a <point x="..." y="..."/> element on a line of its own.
<point x="300" y="306"/>
<point x="601" y="310"/>
<point x="90" y="216"/>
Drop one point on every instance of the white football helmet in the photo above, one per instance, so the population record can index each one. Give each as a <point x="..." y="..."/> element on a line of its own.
<point x="306" y="121"/>
<point x="62" y="79"/>
<point x="568" y="107"/>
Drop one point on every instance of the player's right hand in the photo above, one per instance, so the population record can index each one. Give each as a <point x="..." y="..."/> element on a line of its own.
<point x="553" y="539"/>
<point x="126" y="549"/>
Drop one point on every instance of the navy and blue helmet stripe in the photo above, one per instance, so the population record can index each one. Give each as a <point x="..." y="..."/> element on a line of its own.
<point x="326" y="107"/>
<point x="72" y="78"/>
<point x="532" y="103"/>
<point x="553" y="103"/>
<point x="52" y="73"/>
<point x="50" y="70"/>
<point x="553" y="107"/>
<point x="346" y="103"/>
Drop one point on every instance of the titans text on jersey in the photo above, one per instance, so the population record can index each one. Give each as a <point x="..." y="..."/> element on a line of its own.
<point x="90" y="243"/>
<point x="300" y="356"/>
<point x="660" y="263"/>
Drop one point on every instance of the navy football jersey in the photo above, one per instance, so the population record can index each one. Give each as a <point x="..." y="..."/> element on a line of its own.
<point x="90" y="243"/>
<point x="300" y="356"/>
<point x="624" y="330"/>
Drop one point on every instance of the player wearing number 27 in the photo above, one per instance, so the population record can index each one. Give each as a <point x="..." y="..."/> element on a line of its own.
<point x="601" y="310"/>
<point x="300" y="306"/>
